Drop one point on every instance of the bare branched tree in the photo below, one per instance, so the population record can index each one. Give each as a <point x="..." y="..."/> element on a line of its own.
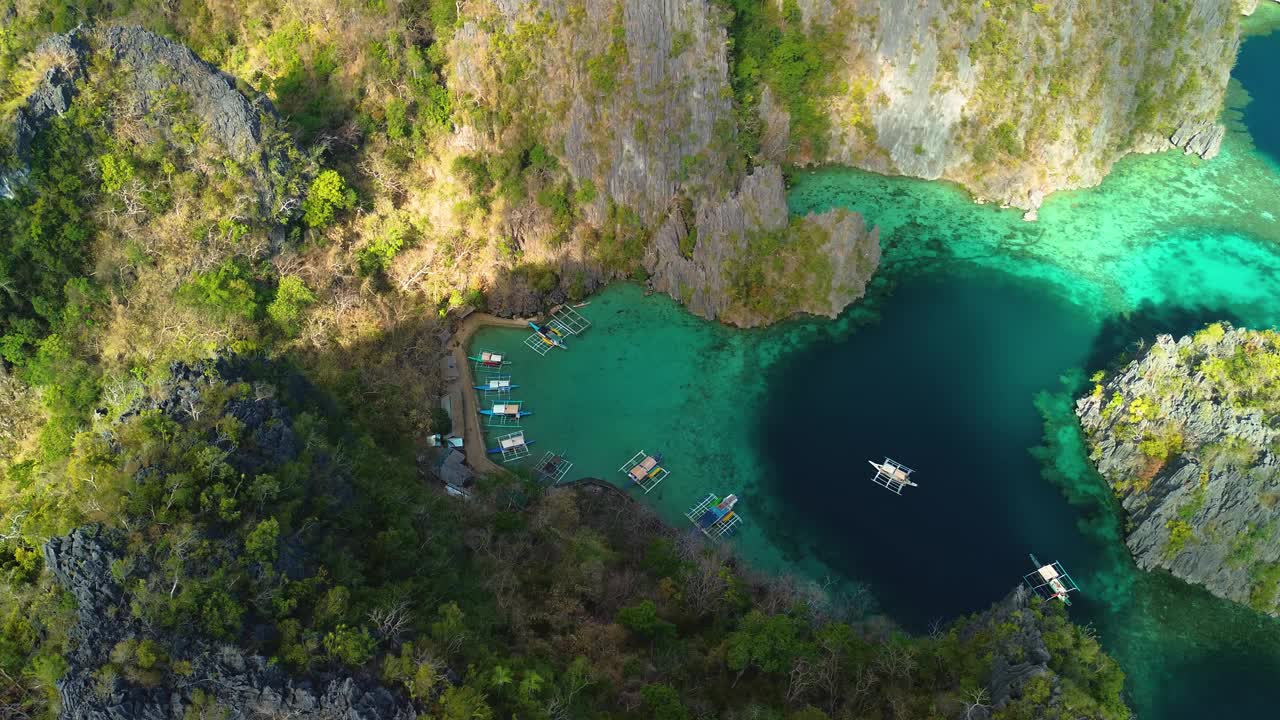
<point x="391" y="622"/>
<point x="977" y="700"/>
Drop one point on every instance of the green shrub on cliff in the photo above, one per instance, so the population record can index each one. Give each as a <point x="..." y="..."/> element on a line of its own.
<point x="327" y="195"/>
<point x="771" y="46"/>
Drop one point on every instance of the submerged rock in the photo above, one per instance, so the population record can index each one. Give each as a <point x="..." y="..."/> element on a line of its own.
<point x="1186" y="436"/>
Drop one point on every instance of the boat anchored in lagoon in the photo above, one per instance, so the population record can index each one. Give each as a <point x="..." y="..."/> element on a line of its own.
<point x="506" y="414"/>
<point x="488" y="359"/>
<point x="563" y="322"/>
<point x="512" y="447"/>
<point x="892" y="475"/>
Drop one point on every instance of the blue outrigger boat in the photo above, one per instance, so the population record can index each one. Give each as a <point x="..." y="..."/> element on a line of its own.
<point x="511" y="447"/>
<point x="496" y="386"/>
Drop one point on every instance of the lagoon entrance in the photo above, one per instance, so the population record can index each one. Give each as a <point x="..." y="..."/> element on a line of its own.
<point x="962" y="363"/>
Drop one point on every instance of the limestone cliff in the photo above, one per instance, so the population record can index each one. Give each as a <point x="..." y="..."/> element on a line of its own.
<point x="1015" y="100"/>
<point x="637" y="96"/>
<point x="744" y="261"/>
<point x="1186" y="436"/>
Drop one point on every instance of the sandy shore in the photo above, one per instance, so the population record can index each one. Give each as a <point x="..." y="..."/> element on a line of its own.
<point x="472" y="434"/>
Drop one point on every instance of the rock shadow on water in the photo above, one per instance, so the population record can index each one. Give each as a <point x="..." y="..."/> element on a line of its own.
<point x="1123" y="335"/>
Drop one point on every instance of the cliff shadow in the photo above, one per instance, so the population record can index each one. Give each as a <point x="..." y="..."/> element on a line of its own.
<point x="1122" y="336"/>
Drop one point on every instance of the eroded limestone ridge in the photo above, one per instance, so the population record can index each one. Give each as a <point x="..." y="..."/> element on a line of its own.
<point x="215" y="674"/>
<point x="745" y="261"/>
<point x="157" y="83"/>
<point x="1186" y="435"/>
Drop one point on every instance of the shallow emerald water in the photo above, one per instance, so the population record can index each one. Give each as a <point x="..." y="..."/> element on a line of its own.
<point x="961" y="361"/>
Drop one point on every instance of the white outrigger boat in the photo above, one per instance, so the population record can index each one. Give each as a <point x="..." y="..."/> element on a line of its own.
<point x="892" y="475"/>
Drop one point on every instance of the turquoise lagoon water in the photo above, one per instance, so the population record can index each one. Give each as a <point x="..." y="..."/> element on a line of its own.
<point x="961" y="362"/>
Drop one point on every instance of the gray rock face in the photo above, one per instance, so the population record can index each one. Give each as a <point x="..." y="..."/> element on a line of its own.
<point x="637" y="93"/>
<point x="245" y="685"/>
<point x="158" y="67"/>
<point x="1021" y="656"/>
<point x="159" y="73"/>
<point x="1218" y="493"/>
<point x="723" y="230"/>
<point x="1086" y="70"/>
<point x="51" y="97"/>
<point x="1199" y="138"/>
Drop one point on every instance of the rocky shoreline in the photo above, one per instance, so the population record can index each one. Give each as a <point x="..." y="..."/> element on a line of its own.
<point x="1186" y="436"/>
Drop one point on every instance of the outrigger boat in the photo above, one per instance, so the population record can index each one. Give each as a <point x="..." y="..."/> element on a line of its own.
<point x="715" y="517"/>
<point x="496" y="386"/>
<point x="511" y="447"/>
<point x="489" y="359"/>
<point x="892" y="475"/>
<point x="645" y="470"/>
<point x="548" y="334"/>
<point x="1051" y="581"/>
<point x="510" y="410"/>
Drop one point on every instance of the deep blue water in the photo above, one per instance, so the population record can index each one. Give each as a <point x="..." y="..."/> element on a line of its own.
<point x="968" y="370"/>
<point x="1258" y="69"/>
<point x="944" y="383"/>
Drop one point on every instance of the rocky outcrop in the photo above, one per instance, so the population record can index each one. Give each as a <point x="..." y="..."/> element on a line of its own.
<point x="1024" y="678"/>
<point x="162" y="81"/>
<point x="243" y="686"/>
<point x="1186" y="435"/>
<point x="720" y="237"/>
<point x="1248" y="7"/>
<point x="158" y="70"/>
<point x="635" y="92"/>
<point x="62" y="57"/>
<point x="1199" y="138"/>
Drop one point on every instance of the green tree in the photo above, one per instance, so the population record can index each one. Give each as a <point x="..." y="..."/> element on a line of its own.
<point x="327" y="195"/>
<point x="260" y="545"/>
<point x="464" y="703"/>
<point x="663" y="702"/>
<point x="767" y="642"/>
<point x="353" y="646"/>
<point x="292" y="297"/>
<point x="228" y="291"/>
<point x="642" y="619"/>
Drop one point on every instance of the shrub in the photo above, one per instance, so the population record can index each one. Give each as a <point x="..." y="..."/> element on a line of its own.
<point x="292" y="297"/>
<point x="663" y="702"/>
<point x="349" y="645"/>
<point x="642" y="619"/>
<point x="376" y="257"/>
<point x="327" y="195"/>
<point x="228" y="291"/>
